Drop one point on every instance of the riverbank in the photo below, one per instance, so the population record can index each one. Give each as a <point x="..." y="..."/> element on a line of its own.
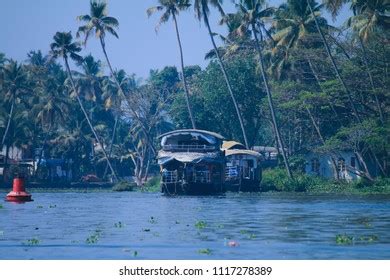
<point x="277" y="180"/>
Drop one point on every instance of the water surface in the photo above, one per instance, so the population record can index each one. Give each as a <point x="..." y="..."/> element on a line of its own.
<point x="108" y="225"/>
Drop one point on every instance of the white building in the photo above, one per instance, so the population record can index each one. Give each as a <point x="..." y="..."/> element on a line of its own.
<point x="348" y="166"/>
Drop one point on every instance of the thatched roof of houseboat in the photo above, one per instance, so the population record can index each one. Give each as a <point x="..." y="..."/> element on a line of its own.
<point x="185" y="131"/>
<point x="242" y="152"/>
<point x="187" y="157"/>
<point x="228" y="145"/>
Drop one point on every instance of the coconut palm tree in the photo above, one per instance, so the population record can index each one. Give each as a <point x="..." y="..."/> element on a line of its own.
<point x="171" y="8"/>
<point x="312" y="7"/>
<point x="253" y="13"/>
<point x="370" y="18"/>
<point x="202" y="11"/>
<point x="14" y="85"/>
<point x="100" y="23"/>
<point x="64" y="47"/>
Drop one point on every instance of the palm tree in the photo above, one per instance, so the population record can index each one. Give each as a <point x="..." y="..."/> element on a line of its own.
<point x="312" y="6"/>
<point x="172" y="8"/>
<point x="202" y="12"/>
<point x="370" y="18"/>
<point x="65" y="48"/>
<point x="14" y="85"/>
<point x="100" y="23"/>
<point x="253" y="13"/>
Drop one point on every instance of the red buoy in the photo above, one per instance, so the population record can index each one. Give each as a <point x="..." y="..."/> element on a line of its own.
<point x="18" y="193"/>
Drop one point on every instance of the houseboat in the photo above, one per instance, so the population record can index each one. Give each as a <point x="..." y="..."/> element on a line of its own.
<point x="243" y="168"/>
<point x="191" y="162"/>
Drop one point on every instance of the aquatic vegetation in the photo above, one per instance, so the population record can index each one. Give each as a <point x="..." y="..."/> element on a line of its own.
<point x="200" y="224"/>
<point x="205" y="251"/>
<point x="94" y="238"/>
<point x="364" y="221"/>
<point x="53" y="206"/>
<point x="119" y="225"/>
<point x="32" y="242"/>
<point x="369" y="238"/>
<point x="1" y="206"/>
<point x="344" y="239"/>
<point x="39" y="206"/>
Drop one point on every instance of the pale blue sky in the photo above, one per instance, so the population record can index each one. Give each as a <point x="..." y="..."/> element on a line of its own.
<point x="30" y="25"/>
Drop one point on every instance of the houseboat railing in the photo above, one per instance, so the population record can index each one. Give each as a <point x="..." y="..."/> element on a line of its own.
<point x="169" y="176"/>
<point x="188" y="148"/>
<point x="202" y="177"/>
<point x="231" y="172"/>
<point x="234" y="172"/>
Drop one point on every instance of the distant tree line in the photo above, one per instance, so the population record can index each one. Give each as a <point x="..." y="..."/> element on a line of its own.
<point x="281" y="76"/>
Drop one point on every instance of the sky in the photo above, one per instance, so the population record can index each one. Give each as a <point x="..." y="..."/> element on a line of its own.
<point x="30" y="25"/>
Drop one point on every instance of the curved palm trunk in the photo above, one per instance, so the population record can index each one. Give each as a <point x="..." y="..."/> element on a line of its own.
<point x="111" y="143"/>
<point x="317" y="128"/>
<point x="187" y="94"/>
<point x="221" y="64"/>
<point x="368" y="70"/>
<point x="88" y="120"/>
<point x="271" y="104"/>
<point x="11" y="114"/>
<point x="336" y="69"/>
<point x="144" y="129"/>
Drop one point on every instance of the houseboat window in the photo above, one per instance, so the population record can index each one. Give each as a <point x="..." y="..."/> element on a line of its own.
<point x="353" y="162"/>
<point x="315" y="165"/>
<point x="341" y="164"/>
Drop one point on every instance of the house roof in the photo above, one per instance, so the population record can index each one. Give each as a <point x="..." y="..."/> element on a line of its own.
<point x="242" y="152"/>
<point x="265" y="149"/>
<point x="183" y="131"/>
<point x="227" y="145"/>
<point x="188" y="157"/>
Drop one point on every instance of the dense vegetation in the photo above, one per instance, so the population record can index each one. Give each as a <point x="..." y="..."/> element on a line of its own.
<point x="283" y="76"/>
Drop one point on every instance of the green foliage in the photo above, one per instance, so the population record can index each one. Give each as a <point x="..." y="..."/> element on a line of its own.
<point x="277" y="180"/>
<point x="32" y="242"/>
<point x="124" y="186"/>
<point x="153" y="184"/>
<point x="200" y="224"/>
<point x="205" y="251"/>
<point x="343" y="239"/>
<point x="94" y="237"/>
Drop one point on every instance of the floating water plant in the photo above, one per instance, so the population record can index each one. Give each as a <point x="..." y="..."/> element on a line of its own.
<point x="369" y="238"/>
<point x="119" y="225"/>
<point x="205" y="251"/>
<point x="200" y="224"/>
<point x="152" y="220"/>
<point x="32" y="242"/>
<point x="93" y="238"/>
<point x="1" y="206"/>
<point x="343" y="239"/>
